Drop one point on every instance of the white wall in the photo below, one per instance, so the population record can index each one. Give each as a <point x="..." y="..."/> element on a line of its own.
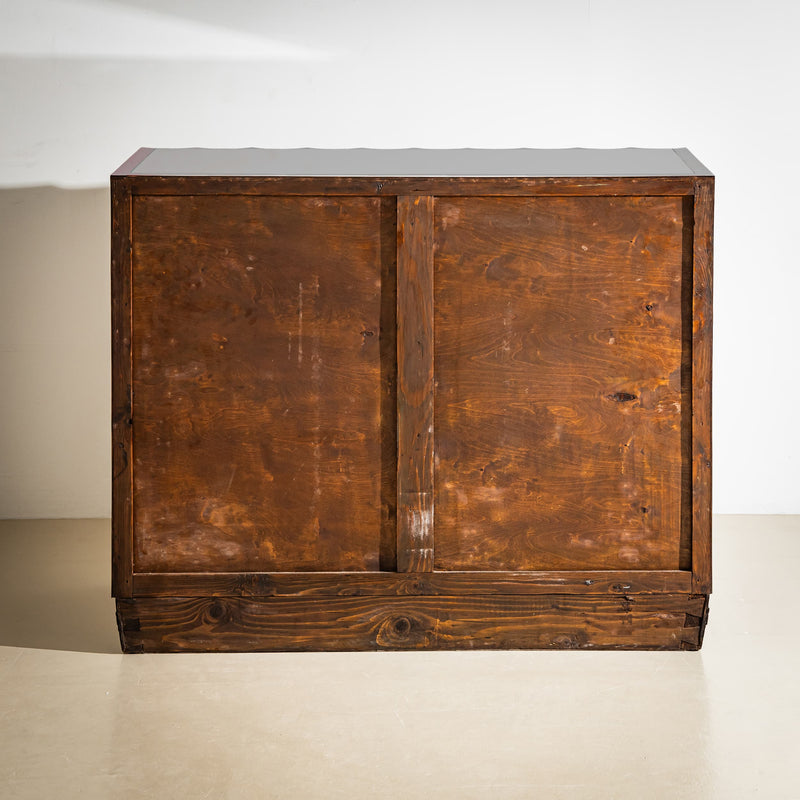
<point x="83" y="84"/>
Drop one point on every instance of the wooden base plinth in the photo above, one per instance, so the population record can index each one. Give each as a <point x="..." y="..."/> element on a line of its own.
<point x="237" y="624"/>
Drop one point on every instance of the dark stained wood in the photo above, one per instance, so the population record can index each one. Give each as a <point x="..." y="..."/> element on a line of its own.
<point x="411" y="412"/>
<point x="701" y="383"/>
<point x="415" y="434"/>
<point x="121" y="444"/>
<point x="388" y="359"/>
<point x="652" y="622"/>
<point x="686" y="385"/>
<point x="363" y="584"/>
<point x="257" y="383"/>
<point x="445" y="187"/>
<point x="558" y="383"/>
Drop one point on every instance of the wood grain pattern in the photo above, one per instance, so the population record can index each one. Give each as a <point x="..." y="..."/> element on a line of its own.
<point x="444" y="187"/>
<point x="415" y="434"/>
<point x="558" y="330"/>
<point x="257" y="381"/>
<point x="121" y="440"/>
<point x="371" y="584"/>
<point x="665" y="622"/>
<point x="701" y="383"/>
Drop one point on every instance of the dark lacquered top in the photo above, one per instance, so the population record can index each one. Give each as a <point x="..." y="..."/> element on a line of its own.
<point x="417" y="163"/>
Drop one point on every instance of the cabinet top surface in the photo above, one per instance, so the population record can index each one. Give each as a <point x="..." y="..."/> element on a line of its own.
<point x="415" y="163"/>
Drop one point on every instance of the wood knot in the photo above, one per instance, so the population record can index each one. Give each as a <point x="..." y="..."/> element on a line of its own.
<point x="402" y="626"/>
<point x="218" y="612"/>
<point x="621" y="397"/>
<point x="401" y="632"/>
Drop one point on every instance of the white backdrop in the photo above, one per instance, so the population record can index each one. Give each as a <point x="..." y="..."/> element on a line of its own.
<point x="83" y="84"/>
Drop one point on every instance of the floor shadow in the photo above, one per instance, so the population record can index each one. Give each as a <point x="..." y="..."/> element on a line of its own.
<point x="55" y="586"/>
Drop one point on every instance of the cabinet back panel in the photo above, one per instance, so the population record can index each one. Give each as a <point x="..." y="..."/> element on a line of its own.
<point x="263" y="375"/>
<point x="558" y="414"/>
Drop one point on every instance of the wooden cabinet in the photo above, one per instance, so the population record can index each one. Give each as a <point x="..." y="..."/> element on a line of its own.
<point x="411" y="399"/>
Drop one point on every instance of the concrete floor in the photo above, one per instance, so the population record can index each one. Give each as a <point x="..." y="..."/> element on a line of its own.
<point x="77" y="719"/>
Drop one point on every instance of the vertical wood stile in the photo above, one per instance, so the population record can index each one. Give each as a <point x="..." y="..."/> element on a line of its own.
<point x="121" y="399"/>
<point x="701" y="384"/>
<point x="415" y="384"/>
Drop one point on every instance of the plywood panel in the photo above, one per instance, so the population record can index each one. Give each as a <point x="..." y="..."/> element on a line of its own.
<point x="263" y="424"/>
<point x="558" y="348"/>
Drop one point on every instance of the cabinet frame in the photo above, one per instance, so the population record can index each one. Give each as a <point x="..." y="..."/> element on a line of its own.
<point x="414" y="607"/>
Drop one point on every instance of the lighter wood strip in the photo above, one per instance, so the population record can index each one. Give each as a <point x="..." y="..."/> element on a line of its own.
<point x="415" y="384"/>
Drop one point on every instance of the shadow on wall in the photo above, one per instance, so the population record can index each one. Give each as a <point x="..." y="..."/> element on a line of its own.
<point x="55" y="363"/>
